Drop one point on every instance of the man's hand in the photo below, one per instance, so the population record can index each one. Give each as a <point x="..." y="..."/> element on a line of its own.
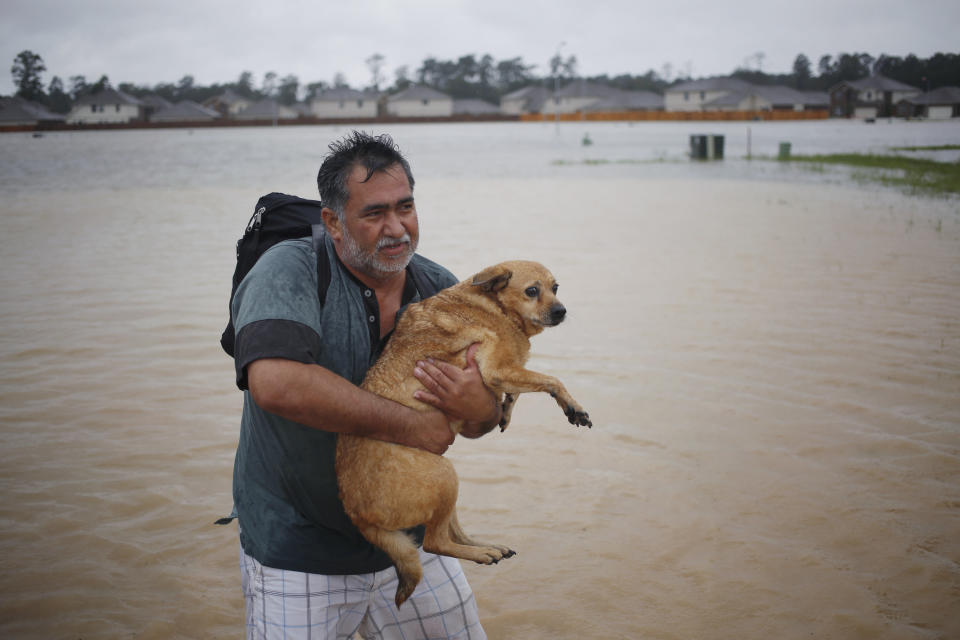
<point x="459" y="393"/>
<point x="431" y="432"/>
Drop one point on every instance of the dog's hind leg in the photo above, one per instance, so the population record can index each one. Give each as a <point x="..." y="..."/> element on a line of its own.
<point x="458" y="536"/>
<point x="403" y="552"/>
<point x="439" y="539"/>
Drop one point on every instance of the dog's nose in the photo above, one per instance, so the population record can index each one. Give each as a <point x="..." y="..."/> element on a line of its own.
<point x="557" y="313"/>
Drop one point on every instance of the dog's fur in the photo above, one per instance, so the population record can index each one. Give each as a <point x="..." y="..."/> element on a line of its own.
<point x="387" y="488"/>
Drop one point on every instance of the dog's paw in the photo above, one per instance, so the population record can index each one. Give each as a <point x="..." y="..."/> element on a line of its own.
<point x="578" y="417"/>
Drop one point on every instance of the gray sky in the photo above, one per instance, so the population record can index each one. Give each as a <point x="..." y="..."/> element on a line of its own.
<point x="214" y="40"/>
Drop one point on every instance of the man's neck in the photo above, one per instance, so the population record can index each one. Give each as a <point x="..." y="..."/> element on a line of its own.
<point x="390" y="284"/>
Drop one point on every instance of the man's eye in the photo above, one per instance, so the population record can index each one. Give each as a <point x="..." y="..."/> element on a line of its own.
<point x="533" y="292"/>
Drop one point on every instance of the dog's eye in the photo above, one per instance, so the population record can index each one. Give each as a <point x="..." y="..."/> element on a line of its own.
<point x="533" y="292"/>
<point x="555" y="287"/>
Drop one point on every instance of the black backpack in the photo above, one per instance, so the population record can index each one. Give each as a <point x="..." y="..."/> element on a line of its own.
<point x="277" y="217"/>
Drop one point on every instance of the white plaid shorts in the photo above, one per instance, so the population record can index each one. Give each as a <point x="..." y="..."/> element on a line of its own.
<point x="293" y="605"/>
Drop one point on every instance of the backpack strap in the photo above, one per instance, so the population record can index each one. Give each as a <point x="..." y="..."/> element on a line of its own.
<point x="423" y="284"/>
<point x="323" y="262"/>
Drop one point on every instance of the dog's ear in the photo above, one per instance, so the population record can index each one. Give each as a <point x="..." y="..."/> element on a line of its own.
<point x="493" y="279"/>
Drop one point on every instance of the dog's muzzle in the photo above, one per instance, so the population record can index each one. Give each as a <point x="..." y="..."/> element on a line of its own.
<point x="557" y="313"/>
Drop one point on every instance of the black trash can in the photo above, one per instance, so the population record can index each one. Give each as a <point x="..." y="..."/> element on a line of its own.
<point x="706" y="146"/>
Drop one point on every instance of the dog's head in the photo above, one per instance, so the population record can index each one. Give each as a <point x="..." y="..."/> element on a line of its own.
<point x="525" y="289"/>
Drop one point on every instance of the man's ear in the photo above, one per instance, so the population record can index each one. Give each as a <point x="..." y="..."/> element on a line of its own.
<point x="332" y="222"/>
<point x="493" y="279"/>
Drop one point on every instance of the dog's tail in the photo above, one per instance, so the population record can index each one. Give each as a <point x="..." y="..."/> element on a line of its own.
<point x="402" y="550"/>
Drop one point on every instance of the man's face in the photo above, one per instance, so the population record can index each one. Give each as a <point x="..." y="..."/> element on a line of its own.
<point x="380" y="231"/>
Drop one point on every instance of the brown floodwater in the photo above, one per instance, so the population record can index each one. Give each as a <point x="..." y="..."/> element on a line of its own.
<point x="772" y="369"/>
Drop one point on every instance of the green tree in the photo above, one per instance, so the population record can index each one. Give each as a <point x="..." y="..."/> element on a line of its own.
<point x="244" y="85"/>
<point x="375" y="64"/>
<point x="269" y="83"/>
<point x="513" y="74"/>
<point x="287" y="92"/>
<point x="26" y="70"/>
<point x="58" y="100"/>
<point x="100" y="85"/>
<point x="801" y="72"/>
<point x="315" y="88"/>
<point x="78" y="87"/>
<point x="185" y="88"/>
<point x="401" y="78"/>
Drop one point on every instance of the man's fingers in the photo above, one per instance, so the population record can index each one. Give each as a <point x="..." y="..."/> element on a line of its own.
<point x="431" y="376"/>
<point x="429" y="398"/>
<point x="472" y="354"/>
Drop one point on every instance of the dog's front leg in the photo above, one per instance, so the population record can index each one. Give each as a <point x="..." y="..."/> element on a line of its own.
<point x="515" y="381"/>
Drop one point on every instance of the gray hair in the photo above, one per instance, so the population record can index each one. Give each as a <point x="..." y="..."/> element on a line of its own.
<point x="373" y="153"/>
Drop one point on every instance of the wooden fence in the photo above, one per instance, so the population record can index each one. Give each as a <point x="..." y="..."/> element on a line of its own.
<point x="816" y="114"/>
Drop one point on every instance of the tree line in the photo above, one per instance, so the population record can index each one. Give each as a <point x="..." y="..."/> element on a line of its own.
<point x="486" y="78"/>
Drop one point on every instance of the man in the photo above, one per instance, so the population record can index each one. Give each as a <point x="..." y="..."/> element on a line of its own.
<point x="307" y="571"/>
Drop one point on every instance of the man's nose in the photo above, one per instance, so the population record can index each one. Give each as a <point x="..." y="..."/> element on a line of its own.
<point x="392" y="225"/>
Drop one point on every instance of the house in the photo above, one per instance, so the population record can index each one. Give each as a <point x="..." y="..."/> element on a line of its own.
<point x="628" y="101"/>
<point x="185" y="111"/>
<point x="154" y="103"/>
<point x="576" y="96"/>
<point x="816" y="100"/>
<point x="526" y="100"/>
<point x="873" y="97"/>
<point x="268" y="109"/>
<point x="759" y="98"/>
<point x="474" y="107"/>
<point x="229" y="103"/>
<point x="418" y="101"/>
<point x="20" y="112"/>
<point x="344" y="103"/>
<point x="693" y="95"/>
<point x="940" y="104"/>
<point x="109" y="106"/>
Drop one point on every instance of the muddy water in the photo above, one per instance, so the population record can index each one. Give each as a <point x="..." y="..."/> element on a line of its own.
<point x="773" y="370"/>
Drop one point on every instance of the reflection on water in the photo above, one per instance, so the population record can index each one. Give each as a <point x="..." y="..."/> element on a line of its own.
<point x="772" y="368"/>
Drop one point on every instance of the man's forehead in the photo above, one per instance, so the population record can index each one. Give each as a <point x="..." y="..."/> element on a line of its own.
<point x="360" y="174"/>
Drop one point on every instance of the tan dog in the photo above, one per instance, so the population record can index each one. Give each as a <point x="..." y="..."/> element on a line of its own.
<point x="388" y="488"/>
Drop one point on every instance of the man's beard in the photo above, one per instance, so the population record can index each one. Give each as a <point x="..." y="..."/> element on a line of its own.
<point x="369" y="263"/>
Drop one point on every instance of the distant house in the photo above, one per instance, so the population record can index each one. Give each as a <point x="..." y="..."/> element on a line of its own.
<point x="20" y="112"/>
<point x="628" y="101"/>
<point x="268" y="109"/>
<point x="474" y="107"/>
<point x="816" y="100"/>
<point x="229" y="103"/>
<point x="694" y="95"/>
<point x="939" y="104"/>
<point x="576" y="96"/>
<point x="873" y="97"/>
<point x="185" y="111"/>
<point x="109" y="106"/>
<point x="344" y="104"/>
<point x="420" y="102"/>
<point x="759" y="98"/>
<point x="526" y="100"/>
<point x="153" y="103"/>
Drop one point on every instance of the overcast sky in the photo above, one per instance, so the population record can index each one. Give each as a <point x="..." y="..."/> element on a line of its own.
<point x="215" y="40"/>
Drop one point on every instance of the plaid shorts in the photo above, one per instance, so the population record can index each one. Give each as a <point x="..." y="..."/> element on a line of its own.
<point x="289" y="604"/>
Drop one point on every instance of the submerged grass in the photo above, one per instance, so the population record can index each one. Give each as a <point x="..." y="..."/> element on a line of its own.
<point x="935" y="147"/>
<point x="915" y="175"/>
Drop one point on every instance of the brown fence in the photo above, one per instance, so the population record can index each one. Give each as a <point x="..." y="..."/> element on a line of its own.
<point x="816" y="114"/>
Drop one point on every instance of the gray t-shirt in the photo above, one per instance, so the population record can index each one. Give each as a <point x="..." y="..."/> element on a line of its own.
<point x="284" y="481"/>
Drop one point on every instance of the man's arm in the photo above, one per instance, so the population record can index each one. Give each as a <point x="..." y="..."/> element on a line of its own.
<point x="316" y="397"/>
<point x="460" y="394"/>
